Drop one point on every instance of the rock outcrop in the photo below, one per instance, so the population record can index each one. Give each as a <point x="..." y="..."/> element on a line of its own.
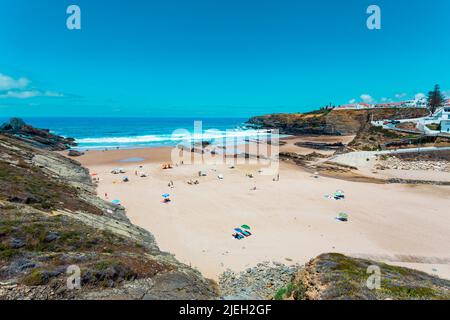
<point x="41" y="138"/>
<point x="333" y="276"/>
<point x="261" y="282"/>
<point x="393" y="162"/>
<point x="331" y="122"/>
<point x="75" y="153"/>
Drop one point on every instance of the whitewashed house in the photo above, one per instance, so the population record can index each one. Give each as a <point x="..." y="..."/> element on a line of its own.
<point x="445" y="126"/>
<point x="415" y="103"/>
<point x="442" y="113"/>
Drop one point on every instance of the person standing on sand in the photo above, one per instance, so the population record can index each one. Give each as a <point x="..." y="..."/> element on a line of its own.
<point x="106" y="195"/>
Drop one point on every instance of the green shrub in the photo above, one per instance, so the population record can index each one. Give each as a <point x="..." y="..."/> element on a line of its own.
<point x="281" y="293"/>
<point x="35" y="278"/>
<point x="285" y="292"/>
<point x="6" y="253"/>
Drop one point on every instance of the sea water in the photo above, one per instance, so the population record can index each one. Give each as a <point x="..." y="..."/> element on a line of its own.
<point x="126" y="133"/>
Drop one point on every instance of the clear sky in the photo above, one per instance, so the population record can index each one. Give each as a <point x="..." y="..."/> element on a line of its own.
<point x="216" y="57"/>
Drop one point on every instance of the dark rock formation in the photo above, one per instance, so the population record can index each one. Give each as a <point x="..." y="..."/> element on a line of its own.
<point x="14" y="125"/>
<point x="74" y="153"/>
<point x="41" y="138"/>
<point x="321" y="145"/>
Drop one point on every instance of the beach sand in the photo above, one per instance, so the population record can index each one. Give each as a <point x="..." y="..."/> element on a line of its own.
<point x="291" y="220"/>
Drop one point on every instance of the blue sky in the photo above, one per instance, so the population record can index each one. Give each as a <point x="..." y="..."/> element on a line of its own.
<point x="216" y="57"/>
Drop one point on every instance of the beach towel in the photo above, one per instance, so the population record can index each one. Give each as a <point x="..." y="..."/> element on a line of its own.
<point x="237" y="236"/>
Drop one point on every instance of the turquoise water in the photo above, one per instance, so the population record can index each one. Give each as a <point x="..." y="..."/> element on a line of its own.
<point x="108" y="133"/>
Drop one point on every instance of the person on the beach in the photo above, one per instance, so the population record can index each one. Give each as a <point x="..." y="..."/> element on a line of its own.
<point x="106" y="195"/>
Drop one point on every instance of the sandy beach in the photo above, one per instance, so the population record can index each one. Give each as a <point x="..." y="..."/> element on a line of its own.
<point x="291" y="220"/>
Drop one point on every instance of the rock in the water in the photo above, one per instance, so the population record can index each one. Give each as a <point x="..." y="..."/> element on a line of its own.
<point x="75" y="153"/>
<point x="41" y="138"/>
<point x="14" y="124"/>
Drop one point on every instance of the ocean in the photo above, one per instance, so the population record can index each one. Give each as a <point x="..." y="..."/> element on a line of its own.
<point x="109" y="133"/>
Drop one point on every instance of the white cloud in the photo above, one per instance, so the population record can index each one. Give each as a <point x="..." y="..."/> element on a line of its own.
<point x="400" y="95"/>
<point x="419" y="96"/>
<point x="19" y="89"/>
<point x="53" y="94"/>
<point x="367" y="98"/>
<point x="8" y="83"/>
<point x="29" y="94"/>
<point x="352" y="101"/>
<point x="20" y="94"/>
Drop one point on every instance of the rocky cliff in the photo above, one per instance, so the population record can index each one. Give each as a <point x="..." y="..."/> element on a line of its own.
<point x="41" y="138"/>
<point x="333" y="276"/>
<point x="331" y="122"/>
<point x="51" y="219"/>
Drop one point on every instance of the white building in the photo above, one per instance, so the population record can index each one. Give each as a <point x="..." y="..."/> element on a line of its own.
<point x="415" y="103"/>
<point x="445" y="126"/>
<point x="442" y="114"/>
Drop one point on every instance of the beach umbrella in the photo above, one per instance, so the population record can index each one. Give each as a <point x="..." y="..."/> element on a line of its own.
<point x="166" y="195"/>
<point x="244" y="226"/>
<point x="343" y="216"/>
<point x="115" y="201"/>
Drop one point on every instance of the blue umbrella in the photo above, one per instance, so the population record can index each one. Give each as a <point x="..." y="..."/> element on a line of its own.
<point x="245" y="233"/>
<point x="166" y="195"/>
<point x="115" y="201"/>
